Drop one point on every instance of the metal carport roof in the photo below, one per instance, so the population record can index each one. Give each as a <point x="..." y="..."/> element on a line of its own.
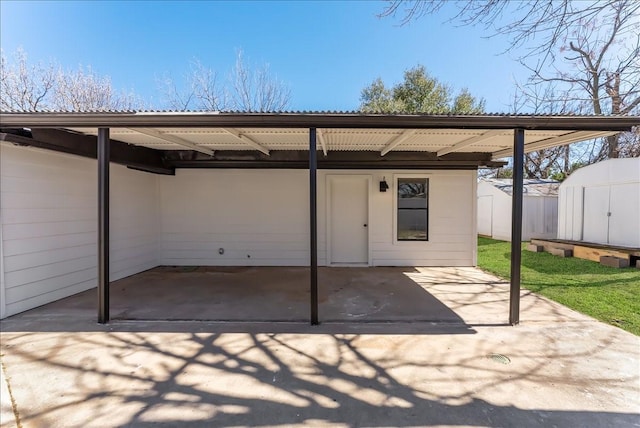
<point x="146" y="140"/>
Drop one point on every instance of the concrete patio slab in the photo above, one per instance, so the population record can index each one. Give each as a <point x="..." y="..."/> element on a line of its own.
<point x="561" y="368"/>
<point x="382" y="294"/>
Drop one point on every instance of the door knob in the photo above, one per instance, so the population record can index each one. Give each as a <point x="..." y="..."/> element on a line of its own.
<point x="365" y="225"/>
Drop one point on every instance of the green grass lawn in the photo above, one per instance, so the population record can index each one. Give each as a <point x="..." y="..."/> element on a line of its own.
<point x="608" y="294"/>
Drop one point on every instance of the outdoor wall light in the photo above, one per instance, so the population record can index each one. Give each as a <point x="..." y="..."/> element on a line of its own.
<point x="383" y="185"/>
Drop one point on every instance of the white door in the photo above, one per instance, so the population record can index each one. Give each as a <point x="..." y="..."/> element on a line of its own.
<point x="624" y="206"/>
<point x="595" y="223"/>
<point x="348" y="219"/>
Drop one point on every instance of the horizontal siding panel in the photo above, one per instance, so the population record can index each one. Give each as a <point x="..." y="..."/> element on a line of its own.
<point x="300" y="245"/>
<point x="71" y="171"/>
<point x="230" y="254"/>
<point x="229" y="228"/>
<point x="263" y="236"/>
<point x="43" y="299"/>
<point x="48" y="285"/>
<point x="420" y="248"/>
<point x="423" y="255"/>
<point x="52" y="270"/>
<point x="71" y="184"/>
<point x="133" y="257"/>
<point x="31" y="260"/>
<point x="235" y="262"/>
<point x="146" y="251"/>
<point x="40" y="230"/>
<point x="43" y="215"/>
<point x="27" y="200"/>
<point x="124" y="268"/>
<point x="434" y="238"/>
<point x="133" y="243"/>
<point x="34" y="245"/>
<point x="50" y="225"/>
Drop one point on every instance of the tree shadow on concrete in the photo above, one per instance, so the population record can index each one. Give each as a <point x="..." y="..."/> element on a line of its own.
<point x="248" y="379"/>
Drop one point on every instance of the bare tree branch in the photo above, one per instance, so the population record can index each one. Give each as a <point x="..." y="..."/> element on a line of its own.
<point x="38" y="87"/>
<point x="25" y="87"/>
<point x="246" y="89"/>
<point x="540" y="25"/>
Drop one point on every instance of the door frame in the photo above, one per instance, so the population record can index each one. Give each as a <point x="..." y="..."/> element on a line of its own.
<point x="328" y="178"/>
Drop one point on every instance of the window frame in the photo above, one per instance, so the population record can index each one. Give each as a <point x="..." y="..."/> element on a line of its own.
<point x="396" y="181"/>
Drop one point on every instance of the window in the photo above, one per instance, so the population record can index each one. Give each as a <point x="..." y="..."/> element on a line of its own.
<point x="413" y="209"/>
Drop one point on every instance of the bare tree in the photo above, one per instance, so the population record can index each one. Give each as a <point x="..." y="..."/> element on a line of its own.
<point x="247" y="88"/>
<point x="256" y="90"/>
<point x="545" y="98"/>
<point x="586" y="51"/>
<point x="542" y="26"/>
<point x="25" y="87"/>
<point x="85" y="90"/>
<point x="37" y="87"/>
<point x="600" y="71"/>
<point x="201" y="92"/>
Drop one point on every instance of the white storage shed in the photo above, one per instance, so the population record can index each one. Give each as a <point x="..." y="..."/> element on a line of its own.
<point x="600" y="204"/>
<point x="539" y="208"/>
<point x="248" y="189"/>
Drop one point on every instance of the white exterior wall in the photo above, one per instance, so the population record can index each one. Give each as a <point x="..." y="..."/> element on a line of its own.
<point x="264" y="214"/>
<point x="539" y="214"/>
<point x="258" y="217"/>
<point x="600" y="203"/>
<point x="48" y="221"/>
<point x="48" y="225"/>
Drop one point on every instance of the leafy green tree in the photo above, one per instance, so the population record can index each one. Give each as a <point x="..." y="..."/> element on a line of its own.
<point x="419" y="92"/>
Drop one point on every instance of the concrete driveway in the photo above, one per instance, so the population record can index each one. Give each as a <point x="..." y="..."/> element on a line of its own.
<point x="558" y="368"/>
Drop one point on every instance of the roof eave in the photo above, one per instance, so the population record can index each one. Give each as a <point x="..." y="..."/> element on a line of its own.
<point x="315" y="120"/>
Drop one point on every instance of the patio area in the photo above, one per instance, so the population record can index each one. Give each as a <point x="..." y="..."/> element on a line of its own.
<point x="399" y="347"/>
<point x="281" y="294"/>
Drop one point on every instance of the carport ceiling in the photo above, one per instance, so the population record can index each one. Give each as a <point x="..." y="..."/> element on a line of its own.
<point x="265" y="140"/>
<point x="207" y="132"/>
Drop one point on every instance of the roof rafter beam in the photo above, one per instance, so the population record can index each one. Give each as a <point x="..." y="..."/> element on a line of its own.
<point x="572" y="137"/>
<point x="469" y="141"/>
<point x="172" y="139"/>
<point x="397" y="141"/>
<point x="129" y="155"/>
<point x="247" y="140"/>
<point x="323" y="144"/>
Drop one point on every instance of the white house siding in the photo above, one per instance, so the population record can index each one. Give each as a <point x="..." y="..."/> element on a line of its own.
<point x="48" y="218"/>
<point x="257" y="217"/>
<point x="452" y="228"/>
<point x="261" y="218"/>
<point x="48" y="221"/>
<point x="600" y="203"/>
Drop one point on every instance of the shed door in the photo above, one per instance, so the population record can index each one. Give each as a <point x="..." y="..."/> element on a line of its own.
<point x="624" y="203"/>
<point x="349" y="218"/>
<point x="595" y="225"/>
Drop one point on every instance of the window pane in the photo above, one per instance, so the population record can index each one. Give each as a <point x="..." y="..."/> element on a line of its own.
<point x="412" y="193"/>
<point x="412" y="225"/>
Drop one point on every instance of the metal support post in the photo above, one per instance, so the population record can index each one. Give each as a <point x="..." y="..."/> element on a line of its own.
<point x="103" y="225"/>
<point x="313" y="225"/>
<point x="516" y="226"/>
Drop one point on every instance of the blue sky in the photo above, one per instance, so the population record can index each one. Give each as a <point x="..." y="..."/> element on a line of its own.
<point x="325" y="51"/>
